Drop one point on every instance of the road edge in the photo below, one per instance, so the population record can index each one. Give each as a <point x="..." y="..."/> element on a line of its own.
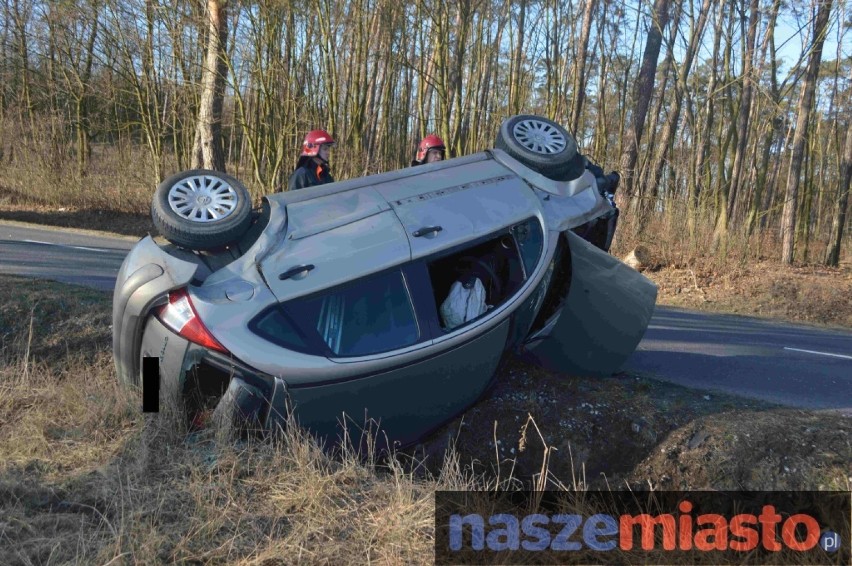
<point x="82" y="231"/>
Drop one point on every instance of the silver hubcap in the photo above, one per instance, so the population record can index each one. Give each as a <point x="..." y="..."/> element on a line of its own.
<point x="539" y="137"/>
<point x="203" y="198"/>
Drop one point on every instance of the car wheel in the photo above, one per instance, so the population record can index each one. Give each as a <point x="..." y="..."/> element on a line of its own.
<point x="201" y="209"/>
<point x="542" y="145"/>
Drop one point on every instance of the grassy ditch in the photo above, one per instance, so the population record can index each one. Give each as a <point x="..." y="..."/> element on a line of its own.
<point x="85" y="477"/>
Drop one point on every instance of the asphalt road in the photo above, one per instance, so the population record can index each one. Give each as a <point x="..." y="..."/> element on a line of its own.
<point x="62" y="255"/>
<point x="791" y="364"/>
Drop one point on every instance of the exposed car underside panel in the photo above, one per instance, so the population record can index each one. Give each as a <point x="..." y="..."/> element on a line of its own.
<point x="409" y="400"/>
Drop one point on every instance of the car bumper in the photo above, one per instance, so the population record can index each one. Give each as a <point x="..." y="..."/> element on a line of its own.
<point x="144" y="280"/>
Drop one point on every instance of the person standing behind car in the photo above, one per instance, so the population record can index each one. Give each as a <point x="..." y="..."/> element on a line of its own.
<point x="430" y="150"/>
<point x="313" y="168"/>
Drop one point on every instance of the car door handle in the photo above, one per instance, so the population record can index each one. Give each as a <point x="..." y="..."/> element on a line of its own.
<point x="426" y="230"/>
<point x="293" y="271"/>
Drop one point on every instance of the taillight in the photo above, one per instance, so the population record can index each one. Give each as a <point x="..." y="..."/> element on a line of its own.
<point x="180" y="316"/>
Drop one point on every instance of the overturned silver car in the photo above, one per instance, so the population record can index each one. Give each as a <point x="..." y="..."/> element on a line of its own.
<point x="390" y="297"/>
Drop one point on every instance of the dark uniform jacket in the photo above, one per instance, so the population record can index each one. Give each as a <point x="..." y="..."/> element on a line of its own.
<point x="310" y="173"/>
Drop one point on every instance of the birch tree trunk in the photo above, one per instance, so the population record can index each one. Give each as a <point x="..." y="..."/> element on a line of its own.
<point x="208" y="151"/>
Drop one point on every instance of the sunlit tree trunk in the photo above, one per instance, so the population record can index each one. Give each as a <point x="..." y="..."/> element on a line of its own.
<point x="580" y="75"/>
<point x="702" y="172"/>
<point x="208" y="152"/>
<point x="791" y="197"/>
<point x="644" y="89"/>
<point x="773" y="128"/>
<point x="666" y="140"/>
<point x="832" y="253"/>
<point x="744" y="115"/>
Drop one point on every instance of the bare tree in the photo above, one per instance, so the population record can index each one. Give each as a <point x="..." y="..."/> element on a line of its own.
<point x="670" y="127"/>
<point x="516" y="72"/>
<point x="702" y="172"/>
<point x="130" y="76"/>
<point x="580" y="75"/>
<point x="643" y="92"/>
<point x="208" y="150"/>
<point x="744" y="114"/>
<point x="791" y="199"/>
<point x="772" y="128"/>
<point x="832" y="252"/>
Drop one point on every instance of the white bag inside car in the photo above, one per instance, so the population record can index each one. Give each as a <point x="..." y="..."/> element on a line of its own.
<point x="463" y="304"/>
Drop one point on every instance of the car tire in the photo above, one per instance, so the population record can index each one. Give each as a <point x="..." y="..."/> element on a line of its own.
<point x="220" y="217"/>
<point x="542" y="145"/>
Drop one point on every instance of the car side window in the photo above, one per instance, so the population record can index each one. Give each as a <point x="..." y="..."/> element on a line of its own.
<point x="370" y="316"/>
<point x="276" y="327"/>
<point x="529" y="237"/>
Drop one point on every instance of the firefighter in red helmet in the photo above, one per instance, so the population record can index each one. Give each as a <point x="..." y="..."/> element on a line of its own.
<point x="312" y="167"/>
<point x="430" y="150"/>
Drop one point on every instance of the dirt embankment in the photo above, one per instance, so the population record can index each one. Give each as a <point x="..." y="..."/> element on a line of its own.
<point x="631" y="430"/>
<point x="812" y="293"/>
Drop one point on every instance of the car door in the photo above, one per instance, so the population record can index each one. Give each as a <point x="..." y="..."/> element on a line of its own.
<point x="603" y="317"/>
<point x="395" y="378"/>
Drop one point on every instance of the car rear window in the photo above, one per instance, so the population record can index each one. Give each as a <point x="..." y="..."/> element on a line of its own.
<point x="369" y="316"/>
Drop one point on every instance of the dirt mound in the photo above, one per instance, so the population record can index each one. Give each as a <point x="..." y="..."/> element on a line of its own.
<point x="778" y="450"/>
<point x="628" y="429"/>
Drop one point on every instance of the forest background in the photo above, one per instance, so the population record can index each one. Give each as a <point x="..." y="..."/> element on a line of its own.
<point x="727" y="119"/>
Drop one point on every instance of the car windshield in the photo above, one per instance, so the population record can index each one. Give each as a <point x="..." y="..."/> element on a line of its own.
<point x="371" y="316"/>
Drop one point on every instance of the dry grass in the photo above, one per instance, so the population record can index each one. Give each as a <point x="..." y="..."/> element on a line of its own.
<point x="86" y="478"/>
<point x="671" y="242"/>
<point x="38" y="172"/>
<point x="811" y="293"/>
<point x="741" y="274"/>
<point x="52" y="324"/>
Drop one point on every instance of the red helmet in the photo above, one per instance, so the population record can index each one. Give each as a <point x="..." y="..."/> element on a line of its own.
<point x="429" y="142"/>
<point x="313" y="140"/>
